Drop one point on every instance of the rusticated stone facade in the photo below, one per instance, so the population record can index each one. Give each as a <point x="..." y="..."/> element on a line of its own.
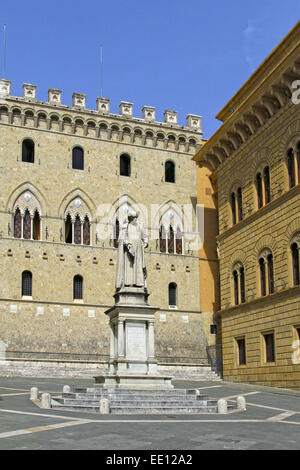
<point x="254" y="158"/>
<point x="44" y="199"/>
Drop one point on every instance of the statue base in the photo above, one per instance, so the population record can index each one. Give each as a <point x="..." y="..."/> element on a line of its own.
<point x="132" y="362"/>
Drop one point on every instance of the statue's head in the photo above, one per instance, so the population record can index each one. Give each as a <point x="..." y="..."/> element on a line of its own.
<point x="131" y="214"/>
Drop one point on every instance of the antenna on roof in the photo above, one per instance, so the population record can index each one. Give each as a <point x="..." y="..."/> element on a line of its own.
<point x="101" y="71"/>
<point x="4" y="48"/>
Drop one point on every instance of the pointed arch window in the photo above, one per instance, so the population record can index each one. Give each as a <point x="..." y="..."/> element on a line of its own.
<point x="77" y="158"/>
<point x="78" y="287"/>
<point x="270" y="273"/>
<point x="28" y="151"/>
<point x="172" y="294"/>
<point x="77" y="231"/>
<point x="36" y="226"/>
<point x="170" y="172"/>
<point x="178" y="241"/>
<point x="162" y="240"/>
<point x="125" y="169"/>
<point x="171" y="244"/>
<point x="18" y="224"/>
<point x="26" y="283"/>
<point x="86" y="231"/>
<point x="27" y="225"/>
<point x="116" y="233"/>
<point x="68" y="229"/>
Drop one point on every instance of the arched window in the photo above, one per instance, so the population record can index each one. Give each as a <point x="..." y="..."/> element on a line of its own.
<point x="125" y="165"/>
<point x="26" y="283"/>
<point x="238" y="275"/>
<point x="172" y="294"/>
<point x="295" y="264"/>
<point x="68" y="230"/>
<point x="27" y="225"/>
<point x="170" y="172"/>
<point x="28" y="151"/>
<point x="240" y="203"/>
<point x="78" y="287"/>
<point x="262" y="271"/>
<point x="18" y="224"/>
<point x="242" y="285"/>
<point x="259" y="190"/>
<point x="86" y="231"/>
<point x="266" y="269"/>
<point x="178" y="241"/>
<point x="36" y="226"/>
<point x="171" y="244"/>
<point x="270" y="273"/>
<point x="291" y="168"/>
<point x="233" y="209"/>
<point x="162" y="239"/>
<point x="116" y="233"/>
<point x="77" y="231"/>
<point x="267" y="185"/>
<point x="77" y="158"/>
<point x="236" y="287"/>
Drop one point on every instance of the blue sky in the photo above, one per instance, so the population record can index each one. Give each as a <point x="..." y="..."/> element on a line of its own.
<point x="190" y="56"/>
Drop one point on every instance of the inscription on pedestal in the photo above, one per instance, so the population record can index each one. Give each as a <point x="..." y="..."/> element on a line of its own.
<point x="135" y="341"/>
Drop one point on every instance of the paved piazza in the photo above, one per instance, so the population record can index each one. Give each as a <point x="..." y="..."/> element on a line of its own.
<point x="271" y="421"/>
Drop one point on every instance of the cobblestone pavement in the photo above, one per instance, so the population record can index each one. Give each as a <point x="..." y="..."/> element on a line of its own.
<point x="271" y="421"/>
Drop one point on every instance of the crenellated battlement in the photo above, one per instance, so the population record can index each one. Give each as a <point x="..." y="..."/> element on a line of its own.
<point x="193" y="122"/>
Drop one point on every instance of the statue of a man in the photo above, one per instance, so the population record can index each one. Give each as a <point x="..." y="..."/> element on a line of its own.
<point x="131" y="266"/>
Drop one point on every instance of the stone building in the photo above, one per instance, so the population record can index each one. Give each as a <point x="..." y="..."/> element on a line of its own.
<point x="68" y="178"/>
<point x="254" y="164"/>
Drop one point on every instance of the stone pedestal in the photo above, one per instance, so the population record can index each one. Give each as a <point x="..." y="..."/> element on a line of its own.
<point x="132" y="362"/>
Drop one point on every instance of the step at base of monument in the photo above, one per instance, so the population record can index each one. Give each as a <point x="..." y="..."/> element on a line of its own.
<point x="123" y="401"/>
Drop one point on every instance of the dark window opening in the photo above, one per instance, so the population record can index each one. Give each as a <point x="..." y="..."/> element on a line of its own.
<point x="233" y="209"/>
<point x="68" y="230"/>
<point x="77" y="158"/>
<point x="27" y="283"/>
<point x="27" y="225"/>
<point x="170" y="172"/>
<point x="267" y="185"/>
<point x="78" y="287"/>
<point x="236" y="287"/>
<point x="77" y="231"/>
<point x="295" y="262"/>
<point x="269" y="347"/>
<point x="241" y="344"/>
<point x="17" y="224"/>
<point x="86" y="231"/>
<point x="262" y="270"/>
<point x="270" y="273"/>
<point x="291" y="168"/>
<point x="36" y="225"/>
<point x="259" y="191"/>
<point x="172" y="294"/>
<point x="28" y="151"/>
<point x="116" y="233"/>
<point x="240" y="203"/>
<point x="125" y="165"/>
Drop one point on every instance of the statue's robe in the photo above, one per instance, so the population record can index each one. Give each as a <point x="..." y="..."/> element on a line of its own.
<point x="131" y="266"/>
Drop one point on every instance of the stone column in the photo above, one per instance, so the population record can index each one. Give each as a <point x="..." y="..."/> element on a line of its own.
<point x="151" y="354"/>
<point x="121" y="342"/>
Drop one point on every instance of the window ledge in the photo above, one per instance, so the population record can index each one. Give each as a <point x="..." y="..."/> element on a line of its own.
<point x="26" y="297"/>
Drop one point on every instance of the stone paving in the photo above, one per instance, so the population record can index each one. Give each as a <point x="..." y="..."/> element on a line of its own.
<point x="271" y="421"/>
